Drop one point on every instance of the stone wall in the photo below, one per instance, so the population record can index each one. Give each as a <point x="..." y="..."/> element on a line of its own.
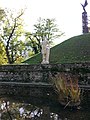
<point x="23" y="82"/>
<point x="23" y="73"/>
<point x="43" y="73"/>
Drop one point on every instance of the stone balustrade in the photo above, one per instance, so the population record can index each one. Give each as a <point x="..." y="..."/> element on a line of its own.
<point x="24" y="81"/>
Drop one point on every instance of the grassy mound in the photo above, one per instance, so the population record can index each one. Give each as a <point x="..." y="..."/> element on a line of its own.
<point x="75" y="49"/>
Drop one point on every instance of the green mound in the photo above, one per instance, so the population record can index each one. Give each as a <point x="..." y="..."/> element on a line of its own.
<point x="75" y="49"/>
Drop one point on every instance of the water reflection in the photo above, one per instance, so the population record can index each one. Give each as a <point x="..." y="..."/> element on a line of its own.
<point x="21" y="111"/>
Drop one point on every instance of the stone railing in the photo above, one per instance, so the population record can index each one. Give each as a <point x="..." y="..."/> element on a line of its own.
<point x="21" y="82"/>
<point x="23" y="73"/>
<point x="42" y="73"/>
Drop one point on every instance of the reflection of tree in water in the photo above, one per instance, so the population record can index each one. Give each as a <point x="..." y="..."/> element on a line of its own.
<point x="19" y="111"/>
<point x="22" y="111"/>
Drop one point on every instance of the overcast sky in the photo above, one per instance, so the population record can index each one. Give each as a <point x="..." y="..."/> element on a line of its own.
<point x="68" y="13"/>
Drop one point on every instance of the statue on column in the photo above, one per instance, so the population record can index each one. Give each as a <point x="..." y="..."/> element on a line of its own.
<point x="84" y="18"/>
<point x="85" y="4"/>
<point x="45" y="51"/>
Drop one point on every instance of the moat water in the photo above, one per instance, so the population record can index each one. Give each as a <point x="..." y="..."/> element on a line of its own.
<point x="11" y="110"/>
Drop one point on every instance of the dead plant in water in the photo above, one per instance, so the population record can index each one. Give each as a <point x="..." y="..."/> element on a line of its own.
<point x="66" y="86"/>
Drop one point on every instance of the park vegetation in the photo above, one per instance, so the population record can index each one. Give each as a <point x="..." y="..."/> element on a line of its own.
<point x="72" y="50"/>
<point x="19" y="44"/>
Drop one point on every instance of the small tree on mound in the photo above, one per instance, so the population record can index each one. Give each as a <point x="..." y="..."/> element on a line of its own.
<point x="44" y="29"/>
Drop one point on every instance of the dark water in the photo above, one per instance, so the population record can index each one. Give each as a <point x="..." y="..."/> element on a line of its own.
<point x="74" y="114"/>
<point x="15" y="110"/>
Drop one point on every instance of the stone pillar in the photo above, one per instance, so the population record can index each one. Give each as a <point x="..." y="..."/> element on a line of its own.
<point x="84" y="22"/>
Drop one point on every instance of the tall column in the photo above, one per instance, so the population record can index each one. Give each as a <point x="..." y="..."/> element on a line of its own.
<point x="84" y="22"/>
<point x="84" y="18"/>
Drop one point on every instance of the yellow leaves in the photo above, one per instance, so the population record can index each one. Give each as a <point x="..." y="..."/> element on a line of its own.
<point x="19" y="60"/>
<point x="3" y="58"/>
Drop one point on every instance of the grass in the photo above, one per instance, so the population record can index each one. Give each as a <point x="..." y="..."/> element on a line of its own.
<point x="75" y="49"/>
